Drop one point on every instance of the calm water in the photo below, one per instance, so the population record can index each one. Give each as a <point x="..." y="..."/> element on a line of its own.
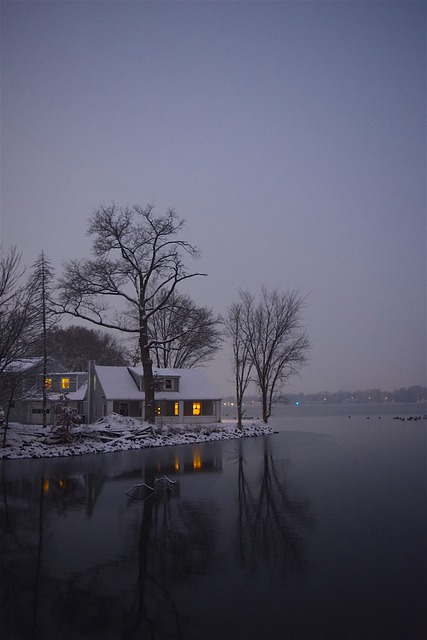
<point x="318" y="531"/>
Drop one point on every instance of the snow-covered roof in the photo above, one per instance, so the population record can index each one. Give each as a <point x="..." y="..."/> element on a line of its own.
<point x="25" y="364"/>
<point x="80" y="394"/>
<point x="118" y="383"/>
<point x="22" y="364"/>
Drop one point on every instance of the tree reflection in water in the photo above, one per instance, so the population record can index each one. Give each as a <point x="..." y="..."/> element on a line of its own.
<point x="164" y="543"/>
<point x="269" y="519"/>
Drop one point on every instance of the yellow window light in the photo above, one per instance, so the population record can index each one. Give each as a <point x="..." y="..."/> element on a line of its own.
<point x="197" y="460"/>
<point x="48" y="383"/>
<point x="65" y="383"/>
<point x="176" y="409"/>
<point x="196" y="408"/>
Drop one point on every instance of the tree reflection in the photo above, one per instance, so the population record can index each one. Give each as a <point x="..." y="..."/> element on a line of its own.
<point x="126" y="592"/>
<point x="150" y="550"/>
<point x="270" y="520"/>
<point x="175" y="544"/>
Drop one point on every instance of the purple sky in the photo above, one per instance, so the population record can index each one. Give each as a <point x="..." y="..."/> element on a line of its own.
<point x="291" y="136"/>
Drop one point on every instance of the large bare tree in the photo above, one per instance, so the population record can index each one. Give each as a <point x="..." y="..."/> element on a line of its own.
<point x="276" y="342"/>
<point x="138" y="259"/>
<point x="195" y="331"/>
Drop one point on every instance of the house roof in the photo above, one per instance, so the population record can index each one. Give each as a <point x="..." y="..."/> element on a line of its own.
<point x="23" y="364"/>
<point x="80" y="394"/>
<point x="118" y="383"/>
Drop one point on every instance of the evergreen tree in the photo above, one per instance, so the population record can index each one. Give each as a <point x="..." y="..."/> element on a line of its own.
<point x="41" y="287"/>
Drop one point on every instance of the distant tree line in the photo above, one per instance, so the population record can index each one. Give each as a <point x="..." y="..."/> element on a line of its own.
<point x="405" y="394"/>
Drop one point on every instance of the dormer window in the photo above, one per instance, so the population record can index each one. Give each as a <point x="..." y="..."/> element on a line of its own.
<point x="168" y="384"/>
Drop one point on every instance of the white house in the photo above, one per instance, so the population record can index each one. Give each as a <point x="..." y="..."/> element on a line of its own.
<point x="182" y="395"/>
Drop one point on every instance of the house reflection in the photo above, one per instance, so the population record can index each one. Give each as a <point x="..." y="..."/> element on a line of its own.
<point x="189" y="460"/>
<point x="74" y="491"/>
<point x="82" y="491"/>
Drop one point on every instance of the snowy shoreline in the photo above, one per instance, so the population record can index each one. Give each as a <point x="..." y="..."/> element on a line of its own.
<point x="118" y="433"/>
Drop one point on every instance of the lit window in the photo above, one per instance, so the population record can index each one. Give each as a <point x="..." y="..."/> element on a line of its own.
<point x="159" y="409"/>
<point x="196" y="408"/>
<point x="48" y="383"/>
<point x="65" y="383"/>
<point x="176" y="408"/>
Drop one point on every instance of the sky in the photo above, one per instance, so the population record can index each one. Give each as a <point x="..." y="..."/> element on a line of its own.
<point x="291" y="137"/>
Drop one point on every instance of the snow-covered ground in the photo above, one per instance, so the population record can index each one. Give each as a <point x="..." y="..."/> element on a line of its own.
<point x="117" y="433"/>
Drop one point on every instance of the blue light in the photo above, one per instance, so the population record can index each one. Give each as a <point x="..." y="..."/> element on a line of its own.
<point x="297" y="403"/>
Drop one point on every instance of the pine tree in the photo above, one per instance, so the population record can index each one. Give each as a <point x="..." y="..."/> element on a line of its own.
<point x="41" y="284"/>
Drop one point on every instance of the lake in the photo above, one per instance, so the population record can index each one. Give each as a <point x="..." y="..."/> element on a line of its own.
<point x="315" y="532"/>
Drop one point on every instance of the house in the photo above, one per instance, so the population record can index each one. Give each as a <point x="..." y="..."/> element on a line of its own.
<point x="182" y="395"/>
<point x="21" y="386"/>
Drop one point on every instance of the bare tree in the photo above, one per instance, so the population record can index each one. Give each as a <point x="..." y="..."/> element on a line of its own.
<point x="17" y="322"/>
<point x="183" y="334"/>
<point x="73" y="346"/>
<point x="276" y="341"/>
<point x="242" y="364"/>
<point x="139" y="260"/>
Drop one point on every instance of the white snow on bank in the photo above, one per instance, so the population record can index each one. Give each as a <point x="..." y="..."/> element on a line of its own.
<point x="117" y="433"/>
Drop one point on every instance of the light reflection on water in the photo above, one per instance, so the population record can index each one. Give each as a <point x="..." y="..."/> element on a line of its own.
<point x="317" y="531"/>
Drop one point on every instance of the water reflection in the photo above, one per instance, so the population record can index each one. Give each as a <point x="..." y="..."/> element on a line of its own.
<point x="270" y="518"/>
<point x="81" y="559"/>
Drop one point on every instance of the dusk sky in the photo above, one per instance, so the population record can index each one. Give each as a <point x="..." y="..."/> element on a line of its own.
<point x="290" y="136"/>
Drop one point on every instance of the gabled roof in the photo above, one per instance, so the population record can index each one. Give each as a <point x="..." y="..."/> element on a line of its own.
<point x="26" y="364"/>
<point x="118" y="383"/>
<point x="23" y="364"/>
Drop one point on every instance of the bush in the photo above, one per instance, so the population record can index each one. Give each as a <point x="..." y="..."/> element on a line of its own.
<point x="65" y="419"/>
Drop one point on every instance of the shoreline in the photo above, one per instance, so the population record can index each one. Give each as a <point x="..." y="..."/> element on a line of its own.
<point x="116" y="433"/>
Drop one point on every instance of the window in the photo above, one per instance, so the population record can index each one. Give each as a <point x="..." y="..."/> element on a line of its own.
<point x="168" y="385"/>
<point x="167" y="408"/>
<point x="199" y="408"/>
<point x="65" y="383"/>
<point x="37" y="411"/>
<point x="48" y="383"/>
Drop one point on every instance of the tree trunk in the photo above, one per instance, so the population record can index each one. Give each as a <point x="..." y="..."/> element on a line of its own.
<point x="265" y="408"/>
<point x="239" y="413"/>
<point x="147" y="367"/>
